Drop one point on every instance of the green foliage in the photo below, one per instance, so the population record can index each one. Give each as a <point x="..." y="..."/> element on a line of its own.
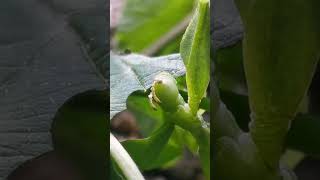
<point x="149" y="153"/>
<point x="195" y="52"/>
<point x="148" y="120"/>
<point x="278" y="72"/>
<point x="145" y="21"/>
<point x="177" y="124"/>
<point x="124" y="165"/>
<point x="278" y="69"/>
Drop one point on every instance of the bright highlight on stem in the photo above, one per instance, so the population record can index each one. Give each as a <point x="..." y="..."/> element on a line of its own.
<point x="123" y="160"/>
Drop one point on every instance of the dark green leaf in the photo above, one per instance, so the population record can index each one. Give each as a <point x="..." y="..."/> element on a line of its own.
<point x="42" y="65"/>
<point x="115" y="173"/>
<point x="147" y="117"/>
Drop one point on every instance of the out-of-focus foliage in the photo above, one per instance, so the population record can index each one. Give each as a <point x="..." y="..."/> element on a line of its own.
<point x="144" y="22"/>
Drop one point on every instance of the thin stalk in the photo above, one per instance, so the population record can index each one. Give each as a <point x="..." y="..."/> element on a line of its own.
<point x="203" y="139"/>
<point x="123" y="160"/>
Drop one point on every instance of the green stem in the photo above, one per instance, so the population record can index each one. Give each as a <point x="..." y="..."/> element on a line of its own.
<point x="123" y="160"/>
<point x="269" y="136"/>
<point x="202" y="135"/>
<point x="185" y="119"/>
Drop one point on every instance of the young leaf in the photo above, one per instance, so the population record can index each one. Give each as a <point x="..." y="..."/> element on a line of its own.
<point x="195" y="52"/>
<point x="148" y="152"/>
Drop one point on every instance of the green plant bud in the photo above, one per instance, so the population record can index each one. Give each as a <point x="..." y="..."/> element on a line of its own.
<point x="164" y="92"/>
<point x="184" y="118"/>
<point x="281" y="51"/>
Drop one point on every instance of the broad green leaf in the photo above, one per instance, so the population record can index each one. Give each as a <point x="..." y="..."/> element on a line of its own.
<point x="281" y="49"/>
<point x="145" y="21"/>
<point x="148" y="119"/>
<point x="184" y="139"/>
<point x="91" y="28"/>
<point x="162" y="148"/>
<point x="130" y="73"/>
<point x="44" y="62"/>
<point x="195" y="52"/>
<point x="145" y="152"/>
